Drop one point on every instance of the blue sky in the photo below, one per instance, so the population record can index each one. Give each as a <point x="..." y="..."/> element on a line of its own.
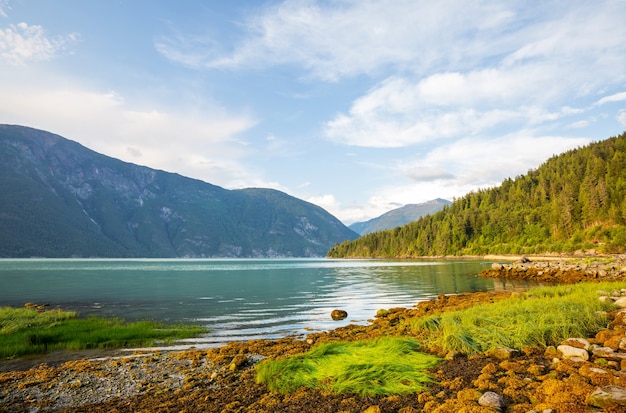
<point x="357" y="106"/>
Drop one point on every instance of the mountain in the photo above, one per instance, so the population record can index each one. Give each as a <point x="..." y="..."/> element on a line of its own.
<point x="399" y="216"/>
<point x="60" y="199"/>
<point x="575" y="201"/>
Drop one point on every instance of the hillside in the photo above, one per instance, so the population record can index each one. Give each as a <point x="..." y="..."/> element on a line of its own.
<point x="399" y="216"/>
<point x="60" y="199"/>
<point x="574" y="201"/>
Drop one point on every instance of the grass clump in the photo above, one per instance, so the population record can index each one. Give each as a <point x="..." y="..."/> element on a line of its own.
<point x="25" y="331"/>
<point x="384" y="366"/>
<point x="541" y="317"/>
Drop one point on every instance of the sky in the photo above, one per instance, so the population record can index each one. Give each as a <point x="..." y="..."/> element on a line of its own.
<point x="358" y="106"/>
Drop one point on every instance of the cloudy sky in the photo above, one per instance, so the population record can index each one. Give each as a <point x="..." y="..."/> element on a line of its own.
<point x="359" y="106"/>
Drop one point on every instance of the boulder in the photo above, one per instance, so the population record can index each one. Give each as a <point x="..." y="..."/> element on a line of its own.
<point x="608" y="396"/>
<point x="338" y="314"/>
<point x="571" y="352"/>
<point x="621" y="302"/>
<point x="492" y="399"/>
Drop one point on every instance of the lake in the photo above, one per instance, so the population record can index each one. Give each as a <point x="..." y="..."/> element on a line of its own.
<point x="238" y="299"/>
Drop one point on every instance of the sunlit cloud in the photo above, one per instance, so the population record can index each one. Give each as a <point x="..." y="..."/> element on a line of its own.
<point x="202" y="145"/>
<point x="22" y="43"/>
<point x="617" y="97"/>
<point x="345" y="38"/>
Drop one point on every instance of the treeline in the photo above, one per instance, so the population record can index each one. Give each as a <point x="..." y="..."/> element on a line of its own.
<point x="574" y="201"/>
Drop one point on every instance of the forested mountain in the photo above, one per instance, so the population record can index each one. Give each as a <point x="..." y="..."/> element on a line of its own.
<point x="60" y="199"/>
<point x="574" y="201"/>
<point x="399" y="216"/>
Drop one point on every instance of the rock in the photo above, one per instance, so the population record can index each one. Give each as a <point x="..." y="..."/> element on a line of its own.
<point x="503" y="353"/>
<point x="491" y="399"/>
<point x="578" y="342"/>
<point x="608" y="396"/>
<point x="238" y="361"/>
<point x="497" y="266"/>
<point x="382" y="313"/>
<point x="570" y="352"/>
<point x="338" y="314"/>
<point x="621" y="302"/>
<point x="452" y="355"/>
<point x="608" y="353"/>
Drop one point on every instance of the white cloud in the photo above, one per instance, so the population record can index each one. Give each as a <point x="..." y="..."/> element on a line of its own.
<point x="539" y="66"/>
<point x="22" y="43"/>
<point x="621" y="117"/>
<point x="344" y="38"/>
<point x="617" y="97"/>
<point x="348" y="214"/>
<point x="579" y="124"/>
<point x="201" y="145"/>
<point x="400" y="112"/>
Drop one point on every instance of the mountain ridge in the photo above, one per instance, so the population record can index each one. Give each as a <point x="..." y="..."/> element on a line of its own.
<point x="61" y="199"/>
<point x="399" y="216"/>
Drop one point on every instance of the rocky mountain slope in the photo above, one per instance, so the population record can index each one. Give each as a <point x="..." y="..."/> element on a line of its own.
<point x="60" y="199"/>
<point x="399" y="216"/>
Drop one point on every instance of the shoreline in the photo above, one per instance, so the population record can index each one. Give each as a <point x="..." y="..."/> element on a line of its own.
<point x="222" y="379"/>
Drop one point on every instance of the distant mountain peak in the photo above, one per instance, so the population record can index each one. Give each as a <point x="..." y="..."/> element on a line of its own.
<point x="399" y="216"/>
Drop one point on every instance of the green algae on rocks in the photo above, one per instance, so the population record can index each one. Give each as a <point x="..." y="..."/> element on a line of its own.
<point x="384" y="366"/>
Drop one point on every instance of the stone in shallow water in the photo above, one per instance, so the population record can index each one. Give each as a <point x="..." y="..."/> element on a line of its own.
<point x="338" y="314"/>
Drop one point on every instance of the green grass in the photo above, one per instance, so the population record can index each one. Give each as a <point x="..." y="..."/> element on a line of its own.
<point x="385" y="366"/>
<point x="25" y="331"/>
<point x="540" y="317"/>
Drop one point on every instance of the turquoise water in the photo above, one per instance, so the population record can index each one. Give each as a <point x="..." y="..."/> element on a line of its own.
<point x="237" y="299"/>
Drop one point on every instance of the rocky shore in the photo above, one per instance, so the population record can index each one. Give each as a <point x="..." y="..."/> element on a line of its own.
<point x="563" y="270"/>
<point x="582" y="374"/>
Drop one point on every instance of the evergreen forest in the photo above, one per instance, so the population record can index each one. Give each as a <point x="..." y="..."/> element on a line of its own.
<point x="574" y="202"/>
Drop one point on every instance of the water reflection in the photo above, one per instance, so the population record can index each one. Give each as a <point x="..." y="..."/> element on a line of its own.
<point x="238" y="299"/>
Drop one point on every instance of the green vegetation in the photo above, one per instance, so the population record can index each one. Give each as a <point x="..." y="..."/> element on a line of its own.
<point x="574" y="201"/>
<point x="377" y="367"/>
<point x="540" y="317"/>
<point x="25" y="331"/>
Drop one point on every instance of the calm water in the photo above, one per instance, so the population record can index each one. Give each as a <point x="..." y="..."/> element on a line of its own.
<point x="237" y="299"/>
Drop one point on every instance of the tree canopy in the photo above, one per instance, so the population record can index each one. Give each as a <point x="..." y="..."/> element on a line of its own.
<point x="574" y="201"/>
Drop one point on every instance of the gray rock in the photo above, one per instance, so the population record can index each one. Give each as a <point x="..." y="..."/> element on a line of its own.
<point x="570" y="352"/>
<point x="621" y="302"/>
<point x="608" y="396"/>
<point x="491" y="399"/>
<point x="496" y="266"/>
